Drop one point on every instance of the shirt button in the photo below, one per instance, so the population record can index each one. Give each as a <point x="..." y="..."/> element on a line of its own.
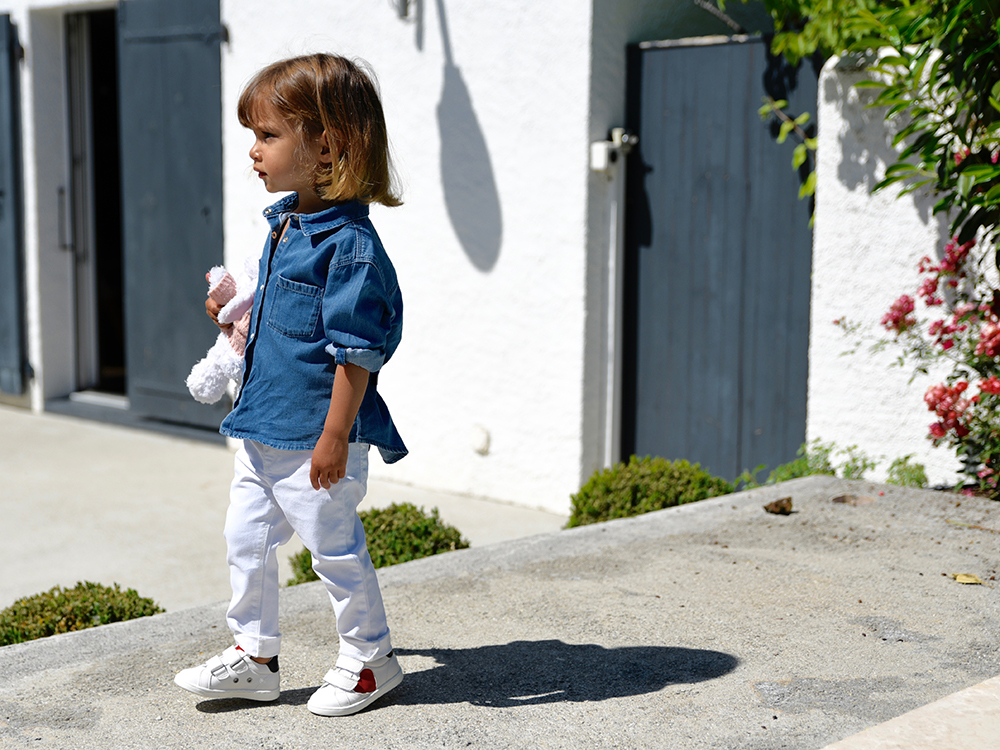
<point x="262" y="287"/>
<point x="274" y="234"/>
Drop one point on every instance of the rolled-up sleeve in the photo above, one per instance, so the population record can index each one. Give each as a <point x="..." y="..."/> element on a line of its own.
<point x="358" y="315"/>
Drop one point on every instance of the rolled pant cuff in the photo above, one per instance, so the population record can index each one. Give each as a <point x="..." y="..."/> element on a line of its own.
<point x="262" y="648"/>
<point x="366" y="651"/>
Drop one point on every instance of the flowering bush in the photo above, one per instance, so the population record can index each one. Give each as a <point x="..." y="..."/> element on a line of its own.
<point x="960" y="324"/>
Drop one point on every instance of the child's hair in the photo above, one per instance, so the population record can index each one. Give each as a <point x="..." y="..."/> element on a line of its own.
<point x="329" y="93"/>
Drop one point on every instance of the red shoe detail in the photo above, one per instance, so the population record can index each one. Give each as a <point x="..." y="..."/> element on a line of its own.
<point x="366" y="683"/>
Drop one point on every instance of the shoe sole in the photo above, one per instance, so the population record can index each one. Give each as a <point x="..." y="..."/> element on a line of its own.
<point x="369" y="699"/>
<point x="250" y="695"/>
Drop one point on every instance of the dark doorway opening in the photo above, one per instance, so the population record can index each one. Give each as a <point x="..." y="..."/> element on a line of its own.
<point x="96" y="219"/>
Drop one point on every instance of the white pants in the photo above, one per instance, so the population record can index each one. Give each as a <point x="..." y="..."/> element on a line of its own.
<point x="271" y="497"/>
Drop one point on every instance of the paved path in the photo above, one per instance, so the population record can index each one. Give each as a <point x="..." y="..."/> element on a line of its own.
<point x="713" y="625"/>
<point x="95" y="502"/>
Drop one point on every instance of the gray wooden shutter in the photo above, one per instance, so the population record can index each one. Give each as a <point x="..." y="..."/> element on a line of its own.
<point x="171" y="154"/>
<point x="13" y="360"/>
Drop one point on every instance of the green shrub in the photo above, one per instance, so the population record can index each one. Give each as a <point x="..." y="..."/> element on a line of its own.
<point x="60" y="610"/>
<point x="857" y="464"/>
<point x="395" y="534"/>
<point x="641" y="486"/>
<point x="907" y="474"/>
<point x="812" y="458"/>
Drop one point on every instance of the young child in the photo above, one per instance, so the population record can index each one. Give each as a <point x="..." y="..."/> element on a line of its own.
<point x="326" y="317"/>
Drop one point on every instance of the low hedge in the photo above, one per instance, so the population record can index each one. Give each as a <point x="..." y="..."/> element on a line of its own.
<point x="395" y="534"/>
<point x="61" y="610"/>
<point x="640" y="486"/>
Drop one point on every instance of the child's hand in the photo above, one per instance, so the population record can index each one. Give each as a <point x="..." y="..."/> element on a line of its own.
<point x="213" y="309"/>
<point x="329" y="458"/>
<point x="329" y="461"/>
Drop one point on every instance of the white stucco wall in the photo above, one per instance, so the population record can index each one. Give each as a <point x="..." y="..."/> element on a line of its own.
<point x="865" y="255"/>
<point x="498" y="345"/>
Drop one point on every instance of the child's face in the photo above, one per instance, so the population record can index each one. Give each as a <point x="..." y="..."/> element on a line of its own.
<point x="283" y="161"/>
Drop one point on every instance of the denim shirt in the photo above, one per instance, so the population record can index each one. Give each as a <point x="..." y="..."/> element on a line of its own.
<point x="326" y="296"/>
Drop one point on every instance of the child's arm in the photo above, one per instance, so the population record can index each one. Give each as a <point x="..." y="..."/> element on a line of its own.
<point x="329" y="458"/>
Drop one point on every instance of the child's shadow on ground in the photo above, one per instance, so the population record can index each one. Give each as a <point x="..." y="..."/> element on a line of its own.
<point x="525" y="673"/>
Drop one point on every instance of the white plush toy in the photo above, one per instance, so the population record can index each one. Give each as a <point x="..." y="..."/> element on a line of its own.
<point x="224" y="362"/>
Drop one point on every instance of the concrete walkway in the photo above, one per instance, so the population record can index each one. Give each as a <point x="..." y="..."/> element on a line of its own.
<point x="712" y="625"/>
<point x="109" y="504"/>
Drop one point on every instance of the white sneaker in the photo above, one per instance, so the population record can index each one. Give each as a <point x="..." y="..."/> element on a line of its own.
<point x="351" y="685"/>
<point x="232" y="675"/>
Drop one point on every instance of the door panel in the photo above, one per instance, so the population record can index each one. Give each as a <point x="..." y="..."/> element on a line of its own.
<point x="171" y="154"/>
<point x="718" y="257"/>
<point x="13" y="359"/>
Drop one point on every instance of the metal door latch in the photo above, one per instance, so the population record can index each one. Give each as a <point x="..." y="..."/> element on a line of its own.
<point x="605" y="153"/>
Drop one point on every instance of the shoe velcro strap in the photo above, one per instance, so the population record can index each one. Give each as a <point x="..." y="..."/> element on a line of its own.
<point x="342" y="679"/>
<point x="349" y="664"/>
<point x="217" y="667"/>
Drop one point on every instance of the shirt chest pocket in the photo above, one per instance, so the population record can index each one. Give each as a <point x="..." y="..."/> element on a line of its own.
<point x="295" y="308"/>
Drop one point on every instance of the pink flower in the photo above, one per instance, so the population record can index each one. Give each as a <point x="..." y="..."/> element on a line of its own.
<point x="962" y="310"/>
<point x="960" y="155"/>
<point x="950" y="408"/>
<point x="899" y="317"/>
<point x="990" y="385"/>
<point x="928" y="289"/>
<point x="989" y="341"/>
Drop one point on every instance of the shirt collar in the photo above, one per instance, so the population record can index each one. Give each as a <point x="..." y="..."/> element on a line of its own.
<point x="321" y="221"/>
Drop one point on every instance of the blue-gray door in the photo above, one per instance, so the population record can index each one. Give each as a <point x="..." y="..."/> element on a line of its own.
<point x="171" y="156"/>
<point x="718" y="258"/>
<point x="13" y="358"/>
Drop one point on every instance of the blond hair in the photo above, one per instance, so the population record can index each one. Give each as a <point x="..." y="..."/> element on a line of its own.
<point x="328" y="93"/>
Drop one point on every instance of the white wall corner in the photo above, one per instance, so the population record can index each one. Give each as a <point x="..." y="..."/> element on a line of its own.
<point x="865" y="255"/>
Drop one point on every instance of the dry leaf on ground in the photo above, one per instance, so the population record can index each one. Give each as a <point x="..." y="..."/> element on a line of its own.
<point x="967" y="578"/>
<point x="854" y="500"/>
<point x="782" y="506"/>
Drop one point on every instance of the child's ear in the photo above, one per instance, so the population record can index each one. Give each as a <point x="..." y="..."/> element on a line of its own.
<point x="329" y="148"/>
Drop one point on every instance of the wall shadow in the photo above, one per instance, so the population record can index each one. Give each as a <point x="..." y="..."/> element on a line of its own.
<point x="527" y="673"/>
<point x="470" y="189"/>
<point x="867" y="142"/>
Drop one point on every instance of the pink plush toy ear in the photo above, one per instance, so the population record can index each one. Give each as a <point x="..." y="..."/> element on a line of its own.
<point x="221" y="285"/>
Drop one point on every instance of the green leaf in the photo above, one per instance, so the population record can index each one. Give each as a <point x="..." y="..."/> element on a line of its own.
<point x="894" y="60"/>
<point x="809" y="186"/>
<point x="786" y="128"/>
<point x="982" y="172"/>
<point x="992" y="195"/>
<point x="799" y="156"/>
<point x="802" y="119"/>
<point x="914" y="186"/>
<point x="965" y="183"/>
